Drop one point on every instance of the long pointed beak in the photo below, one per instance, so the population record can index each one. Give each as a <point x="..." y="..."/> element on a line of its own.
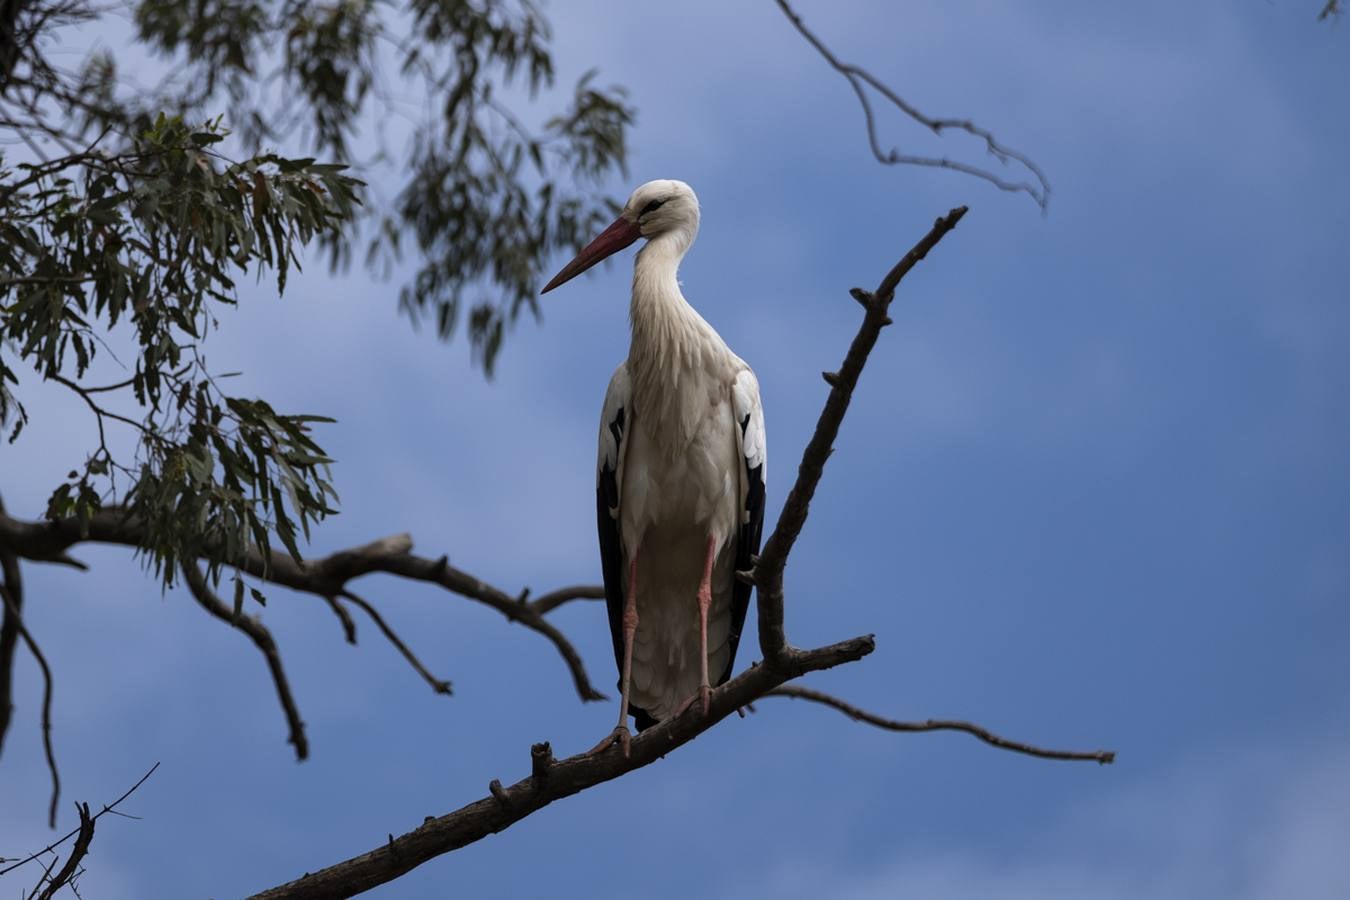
<point x="610" y="241"/>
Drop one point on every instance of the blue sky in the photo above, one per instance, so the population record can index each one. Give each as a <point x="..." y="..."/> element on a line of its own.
<point x="1092" y="492"/>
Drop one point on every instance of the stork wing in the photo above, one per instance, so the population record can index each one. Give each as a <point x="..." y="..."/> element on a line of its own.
<point x="608" y="481"/>
<point x="754" y="455"/>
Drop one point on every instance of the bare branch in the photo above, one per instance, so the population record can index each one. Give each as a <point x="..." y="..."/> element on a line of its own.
<point x="47" y="541"/>
<point x="768" y="572"/>
<point x="262" y="638"/>
<point x="858" y="77"/>
<point x="437" y="685"/>
<point x="554" y="599"/>
<point x="861" y="715"/>
<point x="13" y="603"/>
<point x="77" y="853"/>
<point x="107" y="808"/>
<point x="9" y="634"/>
<point x="1331" y="11"/>
<point x="506" y="805"/>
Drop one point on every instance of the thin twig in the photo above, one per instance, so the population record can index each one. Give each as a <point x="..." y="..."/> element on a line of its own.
<point x="437" y="684"/>
<point x="858" y="77"/>
<point x="554" y="599"/>
<point x="107" y="808"/>
<point x="861" y="715"/>
<point x="262" y="638"/>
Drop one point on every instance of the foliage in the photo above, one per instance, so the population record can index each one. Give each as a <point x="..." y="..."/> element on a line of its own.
<point x="137" y="233"/>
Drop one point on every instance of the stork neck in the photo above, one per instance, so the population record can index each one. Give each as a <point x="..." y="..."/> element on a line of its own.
<point x="667" y="331"/>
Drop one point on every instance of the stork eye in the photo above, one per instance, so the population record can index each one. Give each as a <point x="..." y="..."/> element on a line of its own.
<point x="651" y="207"/>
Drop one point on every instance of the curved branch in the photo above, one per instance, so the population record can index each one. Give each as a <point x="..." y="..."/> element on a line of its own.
<point x="262" y="638"/>
<point x="9" y="634"/>
<point x="437" y="685"/>
<point x="858" y="77"/>
<point x="1104" y="757"/>
<point x="13" y="600"/>
<point x="554" y="599"/>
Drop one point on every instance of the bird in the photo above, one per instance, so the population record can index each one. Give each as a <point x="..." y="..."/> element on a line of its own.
<point x="680" y="475"/>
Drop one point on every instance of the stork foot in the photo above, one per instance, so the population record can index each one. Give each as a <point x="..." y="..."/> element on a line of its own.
<point x="620" y="735"/>
<point x="704" y="702"/>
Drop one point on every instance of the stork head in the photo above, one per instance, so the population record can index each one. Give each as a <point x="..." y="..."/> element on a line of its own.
<point x="658" y="209"/>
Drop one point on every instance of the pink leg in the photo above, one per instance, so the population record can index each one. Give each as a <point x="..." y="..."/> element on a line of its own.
<point x="704" y="602"/>
<point x="621" y="733"/>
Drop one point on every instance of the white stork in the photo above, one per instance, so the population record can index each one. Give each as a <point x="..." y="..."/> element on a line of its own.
<point x="679" y="474"/>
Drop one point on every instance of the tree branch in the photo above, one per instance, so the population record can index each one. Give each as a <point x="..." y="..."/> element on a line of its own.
<point x="768" y="571"/>
<point x="506" y="805"/>
<point x="77" y="853"/>
<point x="12" y="596"/>
<point x="47" y="541"/>
<point x="858" y="77"/>
<point x="9" y="634"/>
<point x="107" y="808"/>
<point x="437" y="685"/>
<point x="861" y="715"/>
<point x="262" y="638"/>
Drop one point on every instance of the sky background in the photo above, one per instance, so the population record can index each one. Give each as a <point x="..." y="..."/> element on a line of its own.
<point x="1092" y="493"/>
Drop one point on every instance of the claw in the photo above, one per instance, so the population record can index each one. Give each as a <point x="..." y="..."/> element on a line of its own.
<point x="621" y="736"/>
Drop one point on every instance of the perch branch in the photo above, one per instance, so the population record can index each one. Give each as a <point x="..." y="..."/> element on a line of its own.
<point x="550" y="780"/>
<point x="859" y="77"/>
<point x="861" y="715"/>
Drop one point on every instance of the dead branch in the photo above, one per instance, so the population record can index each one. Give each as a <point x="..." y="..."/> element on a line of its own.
<point x="437" y="685"/>
<point x="77" y="853"/>
<point x="861" y="715"/>
<point x="9" y="634"/>
<point x="262" y="638"/>
<point x="768" y="573"/>
<point x="12" y="596"/>
<point x="859" y="78"/>
<point x="504" y="806"/>
<point x="107" y="808"/>
<point x="48" y="541"/>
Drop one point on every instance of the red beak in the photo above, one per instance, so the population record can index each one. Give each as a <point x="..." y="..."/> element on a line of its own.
<point x="610" y="241"/>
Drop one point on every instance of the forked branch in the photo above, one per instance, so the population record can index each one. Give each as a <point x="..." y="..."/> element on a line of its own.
<point x="860" y="79"/>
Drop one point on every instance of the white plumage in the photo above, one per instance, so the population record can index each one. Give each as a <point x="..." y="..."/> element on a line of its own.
<point x="680" y="471"/>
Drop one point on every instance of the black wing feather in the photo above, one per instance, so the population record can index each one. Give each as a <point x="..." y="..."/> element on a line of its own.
<point x="611" y="557"/>
<point x="747" y="546"/>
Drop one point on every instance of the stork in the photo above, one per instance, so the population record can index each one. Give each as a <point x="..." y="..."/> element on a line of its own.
<point x="679" y="475"/>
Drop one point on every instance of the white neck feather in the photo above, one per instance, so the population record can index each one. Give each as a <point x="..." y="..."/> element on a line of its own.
<point x="667" y="331"/>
